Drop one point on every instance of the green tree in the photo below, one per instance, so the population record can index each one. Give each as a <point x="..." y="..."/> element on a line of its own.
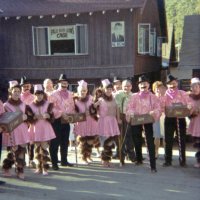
<point x="177" y="10"/>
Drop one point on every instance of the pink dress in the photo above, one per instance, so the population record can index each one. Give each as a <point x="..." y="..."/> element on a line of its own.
<point x="88" y="127"/>
<point x="19" y="135"/>
<point x="1" y="107"/>
<point x="41" y="130"/>
<point x="194" y="126"/>
<point x="107" y="123"/>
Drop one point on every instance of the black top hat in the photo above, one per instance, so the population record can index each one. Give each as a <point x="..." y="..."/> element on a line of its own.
<point x="143" y="78"/>
<point x="116" y="80"/>
<point x="170" y="78"/>
<point x="24" y="81"/>
<point x="62" y="78"/>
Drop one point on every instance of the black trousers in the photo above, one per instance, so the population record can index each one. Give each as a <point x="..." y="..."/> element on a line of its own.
<point x="31" y="151"/>
<point x="62" y="140"/>
<point x="128" y="147"/>
<point x="170" y="128"/>
<point x="137" y="139"/>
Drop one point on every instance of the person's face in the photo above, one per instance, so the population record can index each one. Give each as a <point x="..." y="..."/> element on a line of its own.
<point x="118" y="29"/>
<point x="15" y="93"/>
<point x="26" y="87"/>
<point x="160" y="91"/>
<point x="108" y="91"/>
<point x="39" y="97"/>
<point x="63" y="85"/>
<point x="127" y="87"/>
<point x="195" y="88"/>
<point x="117" y="86"/>
<point x="48" y="85"/>
<point x="143" y="86"/>
<point x="172" y="85"/>
<point x="83" y="92"/>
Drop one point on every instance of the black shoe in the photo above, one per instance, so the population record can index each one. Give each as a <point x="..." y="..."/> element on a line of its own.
<point x="153" y="170"/>
<point x="55" y="167"/>
<point x="138" y="162"/>
<point x="167" y="164"/>
<point x="66" y="164"/>
<point x="133" y="160"/>
<point x="183" y="164"/>
<point x="2" y="182"/>
<point x="115" y="156"/>
<point x="122" y="161"/>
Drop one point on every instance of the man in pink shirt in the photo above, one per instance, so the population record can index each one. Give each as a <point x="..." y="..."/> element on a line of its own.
<point x="63" y="102"/>
<point x="143" y="102"/>
<point x="173" y="95"/>
<point x="26" y="96"/>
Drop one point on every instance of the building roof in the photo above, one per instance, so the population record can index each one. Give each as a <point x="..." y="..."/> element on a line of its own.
<point x="190" y="50"/>
<point x="13" y="8"/>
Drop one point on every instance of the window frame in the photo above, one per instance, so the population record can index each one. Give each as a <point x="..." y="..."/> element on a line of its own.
<point x="36" y="42"/>
<point x="138" y="49"/>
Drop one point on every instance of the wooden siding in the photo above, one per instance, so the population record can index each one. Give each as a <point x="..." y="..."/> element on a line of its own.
<point x="145" y="63"/>
<point x="102" y="61"/>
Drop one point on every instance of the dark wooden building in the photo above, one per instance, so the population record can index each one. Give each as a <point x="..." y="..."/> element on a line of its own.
<point x="44" y="38"/>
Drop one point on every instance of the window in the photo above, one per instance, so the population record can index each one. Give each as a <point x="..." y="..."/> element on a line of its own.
<point x="60" y="40"/>
<point x="143" y="38"/>
<point x="152" y="42"/>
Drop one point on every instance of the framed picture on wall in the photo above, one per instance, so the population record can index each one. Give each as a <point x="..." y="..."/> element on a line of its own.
<point x="118" y="34"/>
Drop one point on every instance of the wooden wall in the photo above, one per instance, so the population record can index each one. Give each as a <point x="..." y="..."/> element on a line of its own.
<point x="102" y="60"/>
<point x="145" y="63"/>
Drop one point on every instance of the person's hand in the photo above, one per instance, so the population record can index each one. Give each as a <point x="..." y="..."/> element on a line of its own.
<point x="189" y="107"/>
<point x="128" y="117"/>
<point x="151" y="113"/>
<point x="24" y="117"/>
<point x="119" y="121"/>
<point x="46" y="116"/>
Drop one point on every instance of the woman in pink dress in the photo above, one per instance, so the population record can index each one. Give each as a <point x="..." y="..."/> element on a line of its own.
<point x="108" y="121"/>
<point x="40" y="112"/>
<point x="194" y="126"/>
<point x="87" y="130"/>
<point x="1" y="131"/>
<point x="18" y="138"/>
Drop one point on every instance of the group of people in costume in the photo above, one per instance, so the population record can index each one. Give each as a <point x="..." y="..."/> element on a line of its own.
<point x="107" y="124"/>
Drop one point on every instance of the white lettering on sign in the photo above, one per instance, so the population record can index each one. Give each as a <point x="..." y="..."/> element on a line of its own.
<point x="61" y="32"/>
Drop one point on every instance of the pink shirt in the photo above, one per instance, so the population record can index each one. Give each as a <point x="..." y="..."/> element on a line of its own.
<point x="27" y="98"/>
<point x="180" y="96"/>
<point x="62" y="103"/>
<point x="139" y="104"/>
